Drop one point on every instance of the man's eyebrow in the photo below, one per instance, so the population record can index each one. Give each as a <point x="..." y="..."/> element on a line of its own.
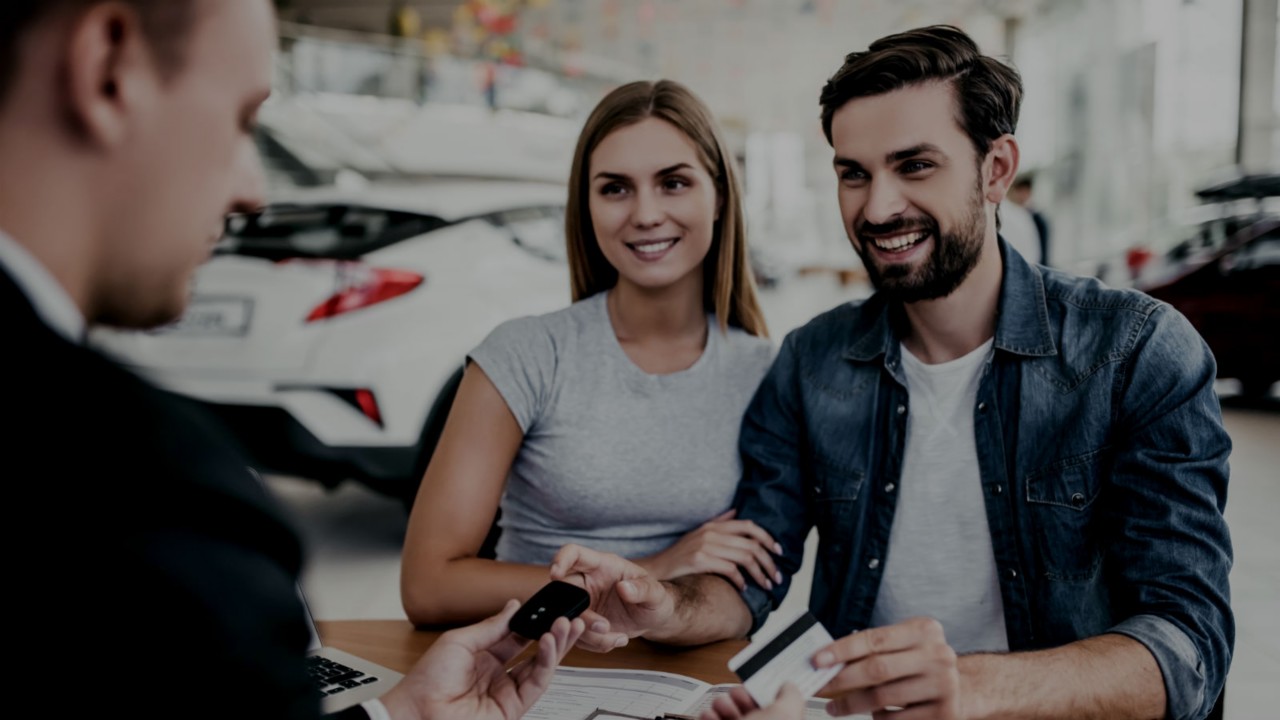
<point x="843" y="162"/>
<point x="921" y="149"/>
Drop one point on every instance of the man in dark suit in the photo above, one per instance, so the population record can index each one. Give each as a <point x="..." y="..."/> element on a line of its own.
<point x="148" y="567"/>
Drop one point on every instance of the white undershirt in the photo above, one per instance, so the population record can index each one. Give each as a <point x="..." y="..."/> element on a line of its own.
<point x="940" y="560"/>
<point x="50" y="300"/>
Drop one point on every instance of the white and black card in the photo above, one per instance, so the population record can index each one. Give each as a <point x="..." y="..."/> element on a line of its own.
<point x="766" y="664"/>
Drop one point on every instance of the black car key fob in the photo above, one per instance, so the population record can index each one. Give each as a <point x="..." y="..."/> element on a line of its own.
<point x="555" y="600"/>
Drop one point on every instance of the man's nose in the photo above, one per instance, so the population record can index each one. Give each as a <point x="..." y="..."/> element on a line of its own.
<point x="885" y="201"/>
<point x="249" y="188"/>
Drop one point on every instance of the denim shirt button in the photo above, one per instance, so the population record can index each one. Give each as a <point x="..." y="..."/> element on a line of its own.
<point x="902" y="409"/>
<point x="1013" y="573"/>
<point x="982" y="407"/>
<point x="999" y="489"/>
<point x="889" y="488"/>
<point x="875" y="563"/>
<point x="1077" y="501"/>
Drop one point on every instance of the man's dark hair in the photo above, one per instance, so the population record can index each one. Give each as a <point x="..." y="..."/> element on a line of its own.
<point x="988" y="92"/>
<point x="165" y="22"/>
<point x="1023" y="181"/>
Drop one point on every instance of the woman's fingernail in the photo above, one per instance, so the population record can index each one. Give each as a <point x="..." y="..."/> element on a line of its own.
<point x="823" y="659"/>
<point x="627" y="586"/>
<point x="777" y="548"/>
<point x="768" y="585"/>
<point x="777" y="576"/>
<point x="621" y="642"/>
<point x="600" y="626"/>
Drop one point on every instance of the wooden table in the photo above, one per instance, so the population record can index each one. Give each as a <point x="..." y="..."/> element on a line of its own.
<point x="397" y="645"/>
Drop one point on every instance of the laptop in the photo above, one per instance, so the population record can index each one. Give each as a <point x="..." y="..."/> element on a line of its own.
<point x="342" y="679"/>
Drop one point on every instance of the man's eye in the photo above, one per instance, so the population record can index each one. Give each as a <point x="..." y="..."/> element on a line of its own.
<point x="852" y="175"/>
<point x="914" y="166"/>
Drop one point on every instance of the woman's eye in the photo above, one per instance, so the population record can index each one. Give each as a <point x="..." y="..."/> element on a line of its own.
<point x="611" y="189"/>
<point x="675" y="183"/>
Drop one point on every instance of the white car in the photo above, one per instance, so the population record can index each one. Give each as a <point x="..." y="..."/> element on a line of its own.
<point x="330" y="331"/>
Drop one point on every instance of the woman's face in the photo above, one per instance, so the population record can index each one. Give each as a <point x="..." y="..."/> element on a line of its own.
<point x="653" y="204"/>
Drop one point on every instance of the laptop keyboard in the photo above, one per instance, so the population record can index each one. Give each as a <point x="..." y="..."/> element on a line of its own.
<point x="331" y="678"/>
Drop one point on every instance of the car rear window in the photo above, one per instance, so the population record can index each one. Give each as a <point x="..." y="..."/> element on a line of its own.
<point x="339" y="232"/>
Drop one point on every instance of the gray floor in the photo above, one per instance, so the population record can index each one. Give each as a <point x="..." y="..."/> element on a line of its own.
<point x="354" y="536"/>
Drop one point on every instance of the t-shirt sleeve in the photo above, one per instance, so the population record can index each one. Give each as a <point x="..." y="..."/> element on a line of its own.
<point x="519" y="358"/>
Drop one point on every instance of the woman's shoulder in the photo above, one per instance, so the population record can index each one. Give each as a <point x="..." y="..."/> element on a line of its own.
<point x="743" y="342"/>
<point x="555" y="327"/>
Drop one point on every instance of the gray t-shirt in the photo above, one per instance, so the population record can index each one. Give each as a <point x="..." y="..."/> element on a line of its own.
<point x="614" y="458"/>
<point x="940" y="562"/>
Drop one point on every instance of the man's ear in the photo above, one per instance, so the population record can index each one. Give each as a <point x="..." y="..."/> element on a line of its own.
<point x="109" y="72"/>
<point x="1001" y="168"/>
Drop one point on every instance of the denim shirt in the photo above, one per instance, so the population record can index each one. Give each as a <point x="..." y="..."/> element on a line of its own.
<point x="1102" y="456"/>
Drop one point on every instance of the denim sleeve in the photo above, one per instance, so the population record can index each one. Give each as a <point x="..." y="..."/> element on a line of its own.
<point x="1172" y="552"/>
<point x="772" y="491"/>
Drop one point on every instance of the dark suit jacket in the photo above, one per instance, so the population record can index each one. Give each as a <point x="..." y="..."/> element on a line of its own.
<point x="151" y="572"/>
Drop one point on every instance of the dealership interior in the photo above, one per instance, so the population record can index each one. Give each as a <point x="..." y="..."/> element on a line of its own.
<point x="418" y="154"/>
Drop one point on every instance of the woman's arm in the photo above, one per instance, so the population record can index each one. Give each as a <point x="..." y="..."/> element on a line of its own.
<point x="441" y="579"/>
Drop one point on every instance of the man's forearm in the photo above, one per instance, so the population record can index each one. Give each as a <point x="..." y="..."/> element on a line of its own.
<point x="1109" y="676"/>
<point x="707" y="609"/>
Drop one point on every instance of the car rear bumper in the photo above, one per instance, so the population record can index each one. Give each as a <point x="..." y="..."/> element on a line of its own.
<point x="278" y="443"/>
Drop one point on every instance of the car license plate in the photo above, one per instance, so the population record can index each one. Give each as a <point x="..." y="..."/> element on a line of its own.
<point x="208" y="316"/>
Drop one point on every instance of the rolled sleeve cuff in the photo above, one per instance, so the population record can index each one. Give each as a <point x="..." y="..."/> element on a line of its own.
<point x="759" y="602"/>
<point x="1180" y="664"/>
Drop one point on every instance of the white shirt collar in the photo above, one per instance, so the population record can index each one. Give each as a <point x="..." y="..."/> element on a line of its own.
<point x="50" y="300"/>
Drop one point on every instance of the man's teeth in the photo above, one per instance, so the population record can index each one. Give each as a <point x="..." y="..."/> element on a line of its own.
<point x="653" y="247"/>
<point x="898" y="242"/>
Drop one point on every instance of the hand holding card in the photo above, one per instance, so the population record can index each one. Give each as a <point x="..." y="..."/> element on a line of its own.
<point x="766" y="664"/>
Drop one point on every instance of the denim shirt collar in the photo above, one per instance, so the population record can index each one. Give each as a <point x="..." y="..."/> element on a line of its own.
<point x="1022" y="323"/>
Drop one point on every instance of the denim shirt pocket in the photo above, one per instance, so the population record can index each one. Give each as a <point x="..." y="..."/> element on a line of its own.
<point x="834" y="494"/>
<point x="1063" y="498"/>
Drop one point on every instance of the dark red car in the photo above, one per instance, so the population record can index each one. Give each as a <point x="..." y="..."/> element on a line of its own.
<point x="1230" y="291"/>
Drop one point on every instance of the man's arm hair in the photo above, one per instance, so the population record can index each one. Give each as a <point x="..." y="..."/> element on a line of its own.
<point x="1109" y="676"/>
<point x="707" y="608"/>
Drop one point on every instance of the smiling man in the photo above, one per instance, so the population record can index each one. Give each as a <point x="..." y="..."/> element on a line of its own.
<point x="1017" y="475"/>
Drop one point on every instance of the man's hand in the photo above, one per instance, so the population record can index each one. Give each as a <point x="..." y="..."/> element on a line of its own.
<point x="626" y="601"/>
<point x="464" y="674"/>
<point x="738" y="705"/>
<point x="908" y="665"/>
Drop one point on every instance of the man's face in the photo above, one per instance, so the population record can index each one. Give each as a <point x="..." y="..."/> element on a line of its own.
<point x="910" y="189"/>
<point x="189" y="159"/>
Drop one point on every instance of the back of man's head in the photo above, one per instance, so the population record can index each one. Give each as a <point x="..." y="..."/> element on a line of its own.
<point x="166" y="23"/>
<point x="126" y="136"/>
<point x="988" y="92"/>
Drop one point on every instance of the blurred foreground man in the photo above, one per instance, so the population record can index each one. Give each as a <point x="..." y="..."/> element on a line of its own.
<point x="1017" y="475"/>
<point x="153" y="577"/>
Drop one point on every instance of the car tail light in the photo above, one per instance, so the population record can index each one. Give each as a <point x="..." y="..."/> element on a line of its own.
<point x="361" y="287"/>
<point x="363" y="400"/>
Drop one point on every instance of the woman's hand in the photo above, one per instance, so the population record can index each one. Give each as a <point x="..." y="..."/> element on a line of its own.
<point x="722" y="546"/>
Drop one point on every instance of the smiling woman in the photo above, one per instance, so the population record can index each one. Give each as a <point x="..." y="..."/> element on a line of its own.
<point x="614" y="422"/>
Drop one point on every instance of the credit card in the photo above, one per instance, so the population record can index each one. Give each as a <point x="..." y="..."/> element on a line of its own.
<point x="768" y="663"/>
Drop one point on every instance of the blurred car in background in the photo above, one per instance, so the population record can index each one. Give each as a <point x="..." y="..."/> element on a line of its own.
<point x="1225" y="278"/>
<point x="329" y="331"/>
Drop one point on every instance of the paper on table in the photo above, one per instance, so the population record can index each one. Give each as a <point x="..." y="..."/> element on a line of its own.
<point x="578" y="693"/>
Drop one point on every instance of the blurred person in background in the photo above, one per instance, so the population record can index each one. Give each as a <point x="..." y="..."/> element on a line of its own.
<point x="1018" y="476"/>
<point x="1019" y="230"/>
<point x="1020" y="194"/>
<point x="155" y="575"/>
<point x="614" y="422"/>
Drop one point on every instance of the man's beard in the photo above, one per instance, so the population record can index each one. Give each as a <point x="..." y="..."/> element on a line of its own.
<point x="954" y="255"/>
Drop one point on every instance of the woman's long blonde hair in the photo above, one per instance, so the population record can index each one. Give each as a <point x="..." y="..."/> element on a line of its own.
<point x="728" y="288"/>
